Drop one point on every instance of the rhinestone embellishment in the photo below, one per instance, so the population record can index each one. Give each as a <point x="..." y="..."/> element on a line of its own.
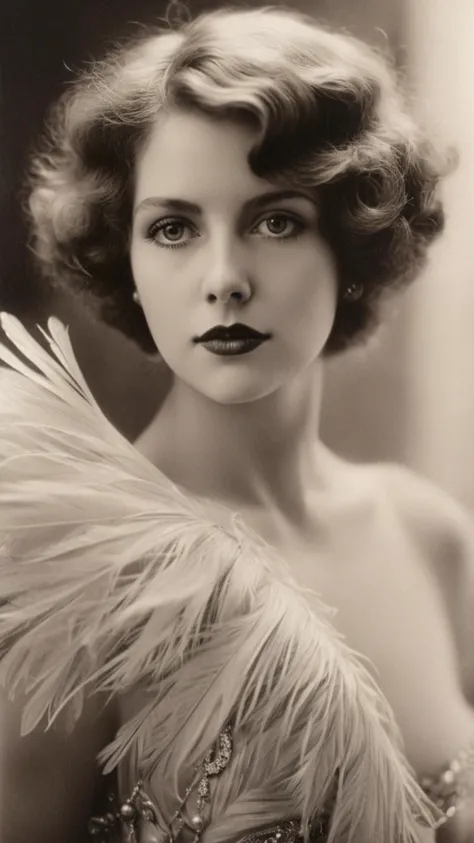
<point x="136" y="819"/>
<point x="214" y="763"/>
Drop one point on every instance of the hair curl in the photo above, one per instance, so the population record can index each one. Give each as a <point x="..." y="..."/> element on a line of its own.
<point x="330" y="117"/>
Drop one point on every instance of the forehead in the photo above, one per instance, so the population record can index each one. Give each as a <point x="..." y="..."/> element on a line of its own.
<point x="195" y="156"/>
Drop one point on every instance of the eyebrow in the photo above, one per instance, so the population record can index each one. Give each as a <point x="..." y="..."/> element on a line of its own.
<point x="254" y="204"/>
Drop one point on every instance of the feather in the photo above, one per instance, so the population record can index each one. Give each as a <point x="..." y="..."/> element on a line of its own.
<point x="112" y="579"/>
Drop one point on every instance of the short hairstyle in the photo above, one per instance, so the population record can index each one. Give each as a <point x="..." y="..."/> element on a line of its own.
<point x="330" y="116"/>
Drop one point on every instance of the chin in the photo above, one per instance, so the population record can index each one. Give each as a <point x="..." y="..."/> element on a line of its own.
<point x="236" y="400"/>
<point x="235" y="390"/>
<point x="231" y="397"/>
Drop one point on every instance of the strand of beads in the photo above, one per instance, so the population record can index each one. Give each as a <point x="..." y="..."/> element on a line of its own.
<point x="453" y="787"/>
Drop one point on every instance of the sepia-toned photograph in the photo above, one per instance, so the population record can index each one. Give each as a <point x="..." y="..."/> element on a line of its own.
<point x="236" y="460"/>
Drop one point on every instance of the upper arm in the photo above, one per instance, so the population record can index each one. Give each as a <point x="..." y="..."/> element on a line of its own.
<point x="49" y="779"/>
<point x="444" y="532"/>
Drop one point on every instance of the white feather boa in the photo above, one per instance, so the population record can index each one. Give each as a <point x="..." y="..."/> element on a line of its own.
<point x="112" y="578"/>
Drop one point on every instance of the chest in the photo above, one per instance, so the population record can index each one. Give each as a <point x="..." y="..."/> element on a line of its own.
<point x="389" y="609"/>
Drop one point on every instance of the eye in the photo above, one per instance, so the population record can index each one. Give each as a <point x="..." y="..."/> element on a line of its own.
<point x="169" y="233"/>
<point x="280" y="226"/>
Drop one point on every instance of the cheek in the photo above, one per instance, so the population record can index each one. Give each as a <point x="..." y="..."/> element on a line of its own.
<point x="323" y="282"/>
<point x="146" y="264"/>
<point x="310" y="308"/>
<point x="308" y="288"/>
<point x="154" y="278"/>
<point x="160" y="297"/>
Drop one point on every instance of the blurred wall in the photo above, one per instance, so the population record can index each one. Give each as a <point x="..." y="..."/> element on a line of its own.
<point x="440" y="371"/>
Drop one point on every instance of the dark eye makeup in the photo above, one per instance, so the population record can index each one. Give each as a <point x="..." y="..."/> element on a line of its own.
<point x="166" y="225"/>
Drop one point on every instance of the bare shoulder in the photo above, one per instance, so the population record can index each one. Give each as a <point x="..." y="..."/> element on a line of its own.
<point x="443" y="531"/>
<point x="434" y="520"/>
<point x="438" y="534"/>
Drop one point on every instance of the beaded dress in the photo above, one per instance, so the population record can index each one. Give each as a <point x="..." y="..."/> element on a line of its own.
<point x="256" y="721"/>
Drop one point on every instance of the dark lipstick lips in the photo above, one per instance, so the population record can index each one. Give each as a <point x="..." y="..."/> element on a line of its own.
<point x="237" y="331"/>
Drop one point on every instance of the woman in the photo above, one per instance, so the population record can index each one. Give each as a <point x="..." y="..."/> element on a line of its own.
<point x="238" y="194"/>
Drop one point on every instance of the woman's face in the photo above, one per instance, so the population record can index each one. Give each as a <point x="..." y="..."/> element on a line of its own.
<point x="214" y="245"/>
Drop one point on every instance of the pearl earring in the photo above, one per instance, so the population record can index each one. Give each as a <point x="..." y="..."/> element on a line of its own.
<point x="136" y="297"/>
<point x="353" y="292"/>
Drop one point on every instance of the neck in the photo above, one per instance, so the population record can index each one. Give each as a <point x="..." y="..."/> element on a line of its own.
<point x="263" y="454"/>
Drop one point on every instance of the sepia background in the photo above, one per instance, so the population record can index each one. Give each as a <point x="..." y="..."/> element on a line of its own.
<point x="409" y="395"/>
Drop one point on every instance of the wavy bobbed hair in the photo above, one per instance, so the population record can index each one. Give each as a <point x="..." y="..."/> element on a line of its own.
<point x="329" y="115"/>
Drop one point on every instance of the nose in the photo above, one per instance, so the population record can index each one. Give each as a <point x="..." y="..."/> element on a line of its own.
<point x="226" y="279"/>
